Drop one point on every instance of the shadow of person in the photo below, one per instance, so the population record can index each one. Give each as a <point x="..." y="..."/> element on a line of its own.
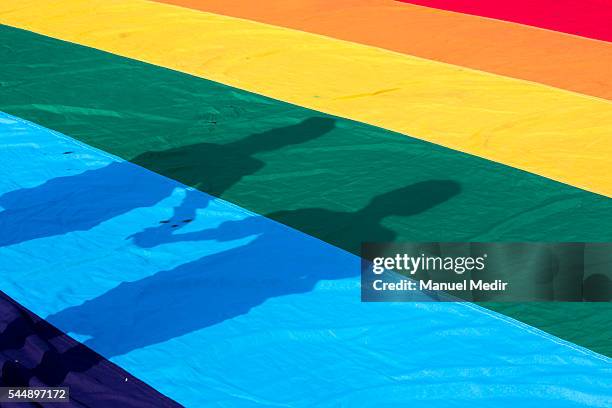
<point x="346" y="230"/>
<point x="78" y="203"/>
<point x="83" y="201"/>
<point x="214" y="168"/>
<point x="278" y="261"/>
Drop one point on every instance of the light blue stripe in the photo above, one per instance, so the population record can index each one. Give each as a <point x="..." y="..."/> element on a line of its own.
<point x="233" y="309"/>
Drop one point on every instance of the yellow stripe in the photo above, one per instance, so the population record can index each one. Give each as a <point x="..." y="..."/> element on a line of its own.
<point x="551" y="132"/>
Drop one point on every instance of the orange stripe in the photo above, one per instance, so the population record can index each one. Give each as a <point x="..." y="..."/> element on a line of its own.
<point x="564" y="61"/>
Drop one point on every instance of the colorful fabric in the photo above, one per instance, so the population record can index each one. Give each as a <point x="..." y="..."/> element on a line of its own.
<point x="197" y="221"/>
<point x="214" y="305"/>
<point x="588" y="18"/>
<point x="508" y="121"/>
<point x="517" y="51"/>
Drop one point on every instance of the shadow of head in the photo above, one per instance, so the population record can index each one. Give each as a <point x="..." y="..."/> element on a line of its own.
<point x="413" y="199"/>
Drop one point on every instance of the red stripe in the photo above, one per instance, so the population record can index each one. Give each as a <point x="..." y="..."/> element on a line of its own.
<point x="587" y="18"/>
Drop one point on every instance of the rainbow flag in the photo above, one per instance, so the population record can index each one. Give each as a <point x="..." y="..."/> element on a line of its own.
<point x="185" y="186"/>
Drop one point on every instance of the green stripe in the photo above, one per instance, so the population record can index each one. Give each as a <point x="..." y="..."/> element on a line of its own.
<point x="341" y="181"/>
